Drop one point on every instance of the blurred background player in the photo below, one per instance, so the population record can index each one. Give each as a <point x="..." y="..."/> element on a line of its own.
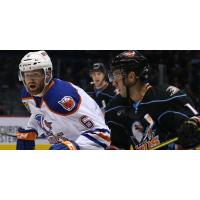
<point x="100" y="89"/>
<point x="69" y="118"/>
<point x="159" y="114"/>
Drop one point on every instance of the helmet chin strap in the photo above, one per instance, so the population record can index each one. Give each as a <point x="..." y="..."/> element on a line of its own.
<point x="41" y="93"/>
<point x="46" y="83"/>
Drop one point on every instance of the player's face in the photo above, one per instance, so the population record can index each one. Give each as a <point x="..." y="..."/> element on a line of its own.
<point x="118" y="82"/>
<point x="34" y="81"/>
<point x="98" y="79"/>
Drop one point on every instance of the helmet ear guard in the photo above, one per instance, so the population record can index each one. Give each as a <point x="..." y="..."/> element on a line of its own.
<point x="20" y="75"/>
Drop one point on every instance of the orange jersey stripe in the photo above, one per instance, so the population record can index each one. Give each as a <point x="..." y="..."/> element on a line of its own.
<point x="105" y="137"/>
<point x="27" y="98"/>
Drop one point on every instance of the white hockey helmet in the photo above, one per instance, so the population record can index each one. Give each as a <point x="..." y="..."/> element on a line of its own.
<point x="33" y="61"/>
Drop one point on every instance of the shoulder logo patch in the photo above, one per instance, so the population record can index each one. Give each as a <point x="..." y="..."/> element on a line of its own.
<point x="172" y="90"/>
<point x="67" y="103"/>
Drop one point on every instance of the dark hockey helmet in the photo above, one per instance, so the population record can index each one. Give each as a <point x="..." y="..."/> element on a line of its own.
<point x="99" y="67"/>
<point x="128" y="61"/>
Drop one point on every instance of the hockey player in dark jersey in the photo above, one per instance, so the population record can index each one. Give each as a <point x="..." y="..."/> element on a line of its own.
<point x="120" y="118"/>
<point x="100" y="89"/>
<point x="148" y="117"/>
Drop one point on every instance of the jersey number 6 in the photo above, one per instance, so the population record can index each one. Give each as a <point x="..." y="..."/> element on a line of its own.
<point x="86" y="121"/>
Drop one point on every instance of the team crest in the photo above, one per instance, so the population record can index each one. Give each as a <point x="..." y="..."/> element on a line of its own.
<point x="44" y="124"/>
<point x="67" y="103"/>
<point x="129" y="54"/>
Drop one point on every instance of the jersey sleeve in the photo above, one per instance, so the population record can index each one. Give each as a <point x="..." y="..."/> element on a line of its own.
<point x="181" y="101"/>
<point x="63" y="99"/>
<point x="169" y="107"/>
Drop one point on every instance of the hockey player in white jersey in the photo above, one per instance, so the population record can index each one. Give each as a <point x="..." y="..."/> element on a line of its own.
<point x="69" y="118"/>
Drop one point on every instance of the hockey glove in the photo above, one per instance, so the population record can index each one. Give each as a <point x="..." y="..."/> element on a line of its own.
<point x="65" y="145"/>
<point x="26" y="139"/>
<point x="189" y="133"/>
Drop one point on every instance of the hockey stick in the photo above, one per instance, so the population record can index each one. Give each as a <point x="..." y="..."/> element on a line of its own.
<point x="165" y="143"/>
<point x="14" y="136"/>
<point x="7" y="134"/>
<point x="172" y="141"/>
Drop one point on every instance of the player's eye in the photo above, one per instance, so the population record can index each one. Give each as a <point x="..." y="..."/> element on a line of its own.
<point x="34" y="75"/>
<point x="117" y="76"/>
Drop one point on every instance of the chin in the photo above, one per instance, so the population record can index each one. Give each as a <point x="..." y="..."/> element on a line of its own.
<point x="33" y="92"/>
<point x="97" y="85"/>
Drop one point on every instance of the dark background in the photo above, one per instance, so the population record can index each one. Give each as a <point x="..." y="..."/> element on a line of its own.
<point x="181" y="69"/>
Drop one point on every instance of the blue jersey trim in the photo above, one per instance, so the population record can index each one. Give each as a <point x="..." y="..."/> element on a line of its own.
<point x="24" y="93"/>
<point x="113" y="122"/>
<point x="99" y="130"/>
<point x="94" y="140"/>
<point x="178" y="113"/>
<point x="98" y="93"/>
<point x="111" y="96"/>
<point x="116" y="108"/>
<point x="164" y="100"/>
<point x="136" y="105"/>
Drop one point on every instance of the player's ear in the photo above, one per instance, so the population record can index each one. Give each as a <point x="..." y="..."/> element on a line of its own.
<point x="132" y="76"/>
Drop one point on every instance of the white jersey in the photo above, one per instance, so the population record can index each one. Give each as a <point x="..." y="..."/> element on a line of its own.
<point x="67" y="112"/>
